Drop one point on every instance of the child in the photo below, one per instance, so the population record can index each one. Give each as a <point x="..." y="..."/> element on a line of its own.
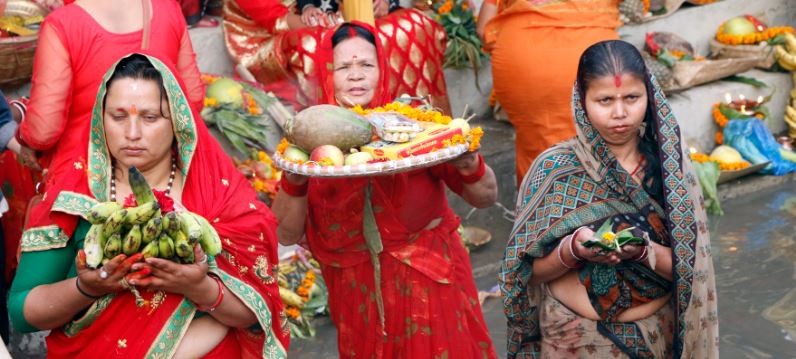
<point x="325" y="12"/>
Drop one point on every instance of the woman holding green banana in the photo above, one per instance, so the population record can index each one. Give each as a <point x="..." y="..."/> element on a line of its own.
<point x="156" y="293"/>
<point x="610" y="253"/>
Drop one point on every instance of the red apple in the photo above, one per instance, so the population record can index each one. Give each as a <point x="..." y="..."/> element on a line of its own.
<point x="334" y="154"/>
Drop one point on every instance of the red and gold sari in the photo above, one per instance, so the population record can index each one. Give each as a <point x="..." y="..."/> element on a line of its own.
<point x="287" y="61"/>
<point x="212" y="187"/>
<point x="399" y="279"/>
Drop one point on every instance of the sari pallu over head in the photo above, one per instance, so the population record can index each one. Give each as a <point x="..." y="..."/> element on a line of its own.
<point x="212" y="188"/>
<point x="353" y="220"/>
<point x="580" y="183"/>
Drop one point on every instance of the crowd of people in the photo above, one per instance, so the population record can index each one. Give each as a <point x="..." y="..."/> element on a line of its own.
<point x="116" y="85"/>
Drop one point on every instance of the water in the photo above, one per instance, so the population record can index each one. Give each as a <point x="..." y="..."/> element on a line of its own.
<point x="754" y="251"/>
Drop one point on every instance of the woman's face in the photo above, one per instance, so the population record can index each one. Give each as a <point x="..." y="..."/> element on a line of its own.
<point x="138" y="134"/>
<point x="616" y="107"/>
<point x="356" y="71"/>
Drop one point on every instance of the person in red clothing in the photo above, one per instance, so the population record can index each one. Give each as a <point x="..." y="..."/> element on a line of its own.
<point x="227" y="306"/>
<point x="77" y="42"/>
<point x="416" y="298"/>
<point x="271" y="41"/>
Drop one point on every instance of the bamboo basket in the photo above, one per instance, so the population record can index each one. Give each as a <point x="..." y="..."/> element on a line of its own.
<point x="16" y="53"/>
<point x="359" y="10"/>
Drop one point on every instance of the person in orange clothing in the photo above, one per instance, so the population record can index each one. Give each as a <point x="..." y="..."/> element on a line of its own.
<point x="535" y="46"/>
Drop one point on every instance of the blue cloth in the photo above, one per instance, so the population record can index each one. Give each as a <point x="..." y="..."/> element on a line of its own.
<point x="752" y="138"/>
<point x="7" y="124"/>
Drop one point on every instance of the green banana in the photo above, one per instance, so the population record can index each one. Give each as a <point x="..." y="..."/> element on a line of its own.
<point x="142" y="213"/>
<point x="141" y="190"/>
<point x="191" y="226"/>
<point x="150" y="250"/>
<point x="114" y="223"/>
<point x="132" y="241"/>
<point x="165" y="246"/>
<point x="171" y="224"/>
<point x="210" y="241"/>
<point x="101" y="211"/>
<point x="189" y="259"/>
<point x="113" y="247"/>
<point x="182" y="246"/>
<point x="152" y="229"/>
<point x="93" y="247"/>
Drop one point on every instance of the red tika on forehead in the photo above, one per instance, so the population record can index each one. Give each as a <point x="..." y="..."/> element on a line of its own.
<point x="133" y="110"/>
<point x="618" y="81"/>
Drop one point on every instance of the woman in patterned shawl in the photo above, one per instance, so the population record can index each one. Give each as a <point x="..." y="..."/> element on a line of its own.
<point x="626" y="166"/>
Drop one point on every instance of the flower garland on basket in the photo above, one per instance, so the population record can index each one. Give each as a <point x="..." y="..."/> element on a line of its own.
<point x="738" y="109"/>
<point x="239" y="111"/>
<point x="748" y="30"/>
<point x="303" y="292"/>
<point x="464" y="46"/>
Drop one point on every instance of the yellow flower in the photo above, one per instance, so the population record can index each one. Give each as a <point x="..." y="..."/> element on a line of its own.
<point x="608" y="237"/>
<point x="210" y="102"/>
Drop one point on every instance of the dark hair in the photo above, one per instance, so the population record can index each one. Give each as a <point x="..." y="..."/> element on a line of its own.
<point x="137" y="67"/>
<point x="616" y="57"/>
<point x="347" y="31"/>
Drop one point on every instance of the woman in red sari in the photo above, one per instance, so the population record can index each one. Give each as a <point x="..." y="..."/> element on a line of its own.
<point x="77" y="42"/>
<point x="399" y="278"/>
<point x="222" y="307"/>
<point x="268" y="38"/>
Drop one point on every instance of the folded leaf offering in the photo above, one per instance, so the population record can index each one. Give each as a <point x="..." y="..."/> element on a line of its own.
<point x="609" y="241"/>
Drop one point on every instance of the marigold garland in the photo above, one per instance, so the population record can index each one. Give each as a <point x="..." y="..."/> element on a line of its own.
<point x="475" y="138"/>
<point x="753" y="38"/>
<point x="211" y="102"/>
<point x="407" y="111"/>
<point x="283" y="145"/>
<point x="719" y="138"/>
<point x="292" y="312"/>
<point x="732" y="166"/>
<point x="699" y="157"/>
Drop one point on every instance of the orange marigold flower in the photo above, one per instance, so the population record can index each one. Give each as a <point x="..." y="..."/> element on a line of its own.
<point x="302" y="291"/>
<point x="292" y="312"/>
<point x="699" y="157"/>
<point x="475" y="138"/>
<point x="719" y="138"/>
<point x="719" y="117"/>
<point x="282" y="146"/>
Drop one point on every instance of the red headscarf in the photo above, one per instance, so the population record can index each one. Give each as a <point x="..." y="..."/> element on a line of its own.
<point x="212" y="188"/>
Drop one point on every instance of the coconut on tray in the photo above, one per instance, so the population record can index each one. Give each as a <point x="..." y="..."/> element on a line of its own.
<point x="335" y="137"/>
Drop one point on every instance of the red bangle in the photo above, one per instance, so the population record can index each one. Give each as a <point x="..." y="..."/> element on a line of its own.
<point x="219" y="299"/>
<point x="475" y="177"/>
<point x="294" y="190"/>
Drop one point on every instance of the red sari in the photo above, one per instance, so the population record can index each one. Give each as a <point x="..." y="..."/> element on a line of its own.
<point x="74" y="52"/>
<point x="430" y="302"/>
<point x="287" y="61"/>
<point x="213" y="188"/>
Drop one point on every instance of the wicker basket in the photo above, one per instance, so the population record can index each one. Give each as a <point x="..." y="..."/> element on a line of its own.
<point x="16" y="53"/>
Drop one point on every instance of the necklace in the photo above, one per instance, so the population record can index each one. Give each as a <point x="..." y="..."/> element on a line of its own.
<point x="168" y="187"/>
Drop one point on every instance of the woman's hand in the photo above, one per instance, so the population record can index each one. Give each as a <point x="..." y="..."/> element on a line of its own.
<point x="380" y="8"/>
<point x="108" y="279"/>
<point x="296" y="179"/>
<point x="313" y="16"/>
<point x="466" y="164"/>
<point x="25" y="155"/>
<point x="163" y="274"/>
<point x="591" y="254"/>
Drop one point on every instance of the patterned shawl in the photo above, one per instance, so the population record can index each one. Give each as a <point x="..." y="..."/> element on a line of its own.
<point x="580" y="183"/>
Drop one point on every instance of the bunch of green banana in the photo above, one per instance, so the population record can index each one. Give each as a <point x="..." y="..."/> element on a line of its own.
<point x="786" y="57"/>
<point x="116" y="230"/>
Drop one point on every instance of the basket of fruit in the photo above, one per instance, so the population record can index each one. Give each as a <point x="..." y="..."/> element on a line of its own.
<point x="19" y="33"/>
<point x="330" y="141"/>
<point x="748" y="37"/>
